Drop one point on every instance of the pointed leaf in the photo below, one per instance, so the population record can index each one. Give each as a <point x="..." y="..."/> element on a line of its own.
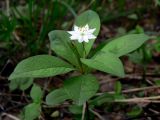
<point x="61" y="45"/>
<point x="32" y="111"/>
<point x="104" y="98"/>
<point x="36" y="93"/>
<point x="21" y="83"/>
<point x="40" y="66"/>
<point x="106" y="62"/>
<point x="135" y="111"/>
<point x="79" y="89"/>
<point x="125" y="44"/>
<point x="92" y="19"/>
<point x="56" y="97"/>
<point x="76" y="109"/>
<point x="118" y="87"/>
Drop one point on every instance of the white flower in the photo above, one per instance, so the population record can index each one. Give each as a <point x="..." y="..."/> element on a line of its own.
<point x="82" y="33"/>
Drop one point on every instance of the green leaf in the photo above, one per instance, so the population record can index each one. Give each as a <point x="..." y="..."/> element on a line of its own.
<point x="7" y="27"/>
<point x="40" y="66"/>
<point x="118" y="87"/>
<point x="125" y="44"/>
<point x="157" y="2"/>
<point x="31" y="111"/>
<point x="136" y="110"/>
<point x="92" y="19"/>
<point x="56" y="97"/>
<point x="36" y="93"/>
<point x="157" y="82"/>
<point x="139" y="29"/>
<point x="21" y="83"/>
<point x="118" y="96"/>
<point x="75" y="109"/>
<point x="61" y="45"/>
<point x="104" y="98"/>
<point x="106" y="62"/>
<point x="79" y="89"/>
<point x="136" y="57"/>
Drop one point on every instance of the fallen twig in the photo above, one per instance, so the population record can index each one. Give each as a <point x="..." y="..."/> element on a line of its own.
<point x="97" y="114"/>
<point x="10" y="116"/>
<point x="138" y="100"/>
<point x="138" y="89"/>
<point x="133" y="90"/>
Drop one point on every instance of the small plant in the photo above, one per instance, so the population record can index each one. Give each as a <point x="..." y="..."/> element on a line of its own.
<point x="73" y="50"/>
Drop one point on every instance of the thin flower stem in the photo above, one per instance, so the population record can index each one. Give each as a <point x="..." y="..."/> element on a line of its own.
<point x="85" y="53"/>
<point x="78" y="57"/>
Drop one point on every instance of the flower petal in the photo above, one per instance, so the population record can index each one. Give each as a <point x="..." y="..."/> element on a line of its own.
<point x="71" y="32"/>
<point x="73" y="37"/>
<point x="86" y="27"/>
<point x="91" y="30"/>
<point x="91" y="36"/>
<point x="76" y="28"/>
<point x="85" y="39"/>
<point x="82" y="33"/>
<point x="80" y="39"/>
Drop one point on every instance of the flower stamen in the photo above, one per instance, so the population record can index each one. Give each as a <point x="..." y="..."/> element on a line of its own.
<point x="82" y="34"/>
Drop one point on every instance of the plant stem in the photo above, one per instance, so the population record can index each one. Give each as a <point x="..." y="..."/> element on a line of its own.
<point x="78" y="57"/>
<point x="83" y="111"/>
<point x="85" y="53"/>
